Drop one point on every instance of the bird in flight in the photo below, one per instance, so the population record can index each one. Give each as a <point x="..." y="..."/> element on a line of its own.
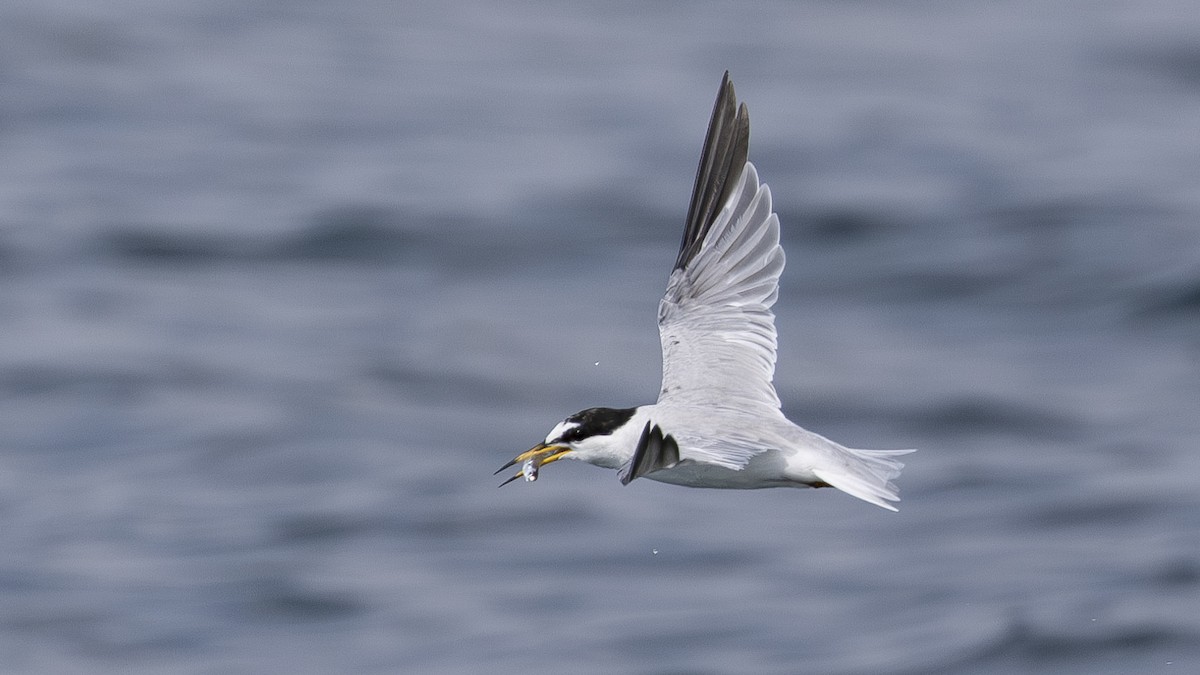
<point x="717" y="422"/>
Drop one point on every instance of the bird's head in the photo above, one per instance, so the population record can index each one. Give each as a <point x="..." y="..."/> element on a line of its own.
<point x="586" y="435"/>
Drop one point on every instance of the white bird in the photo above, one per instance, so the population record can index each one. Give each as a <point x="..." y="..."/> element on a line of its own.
<point x="717" y="422"/>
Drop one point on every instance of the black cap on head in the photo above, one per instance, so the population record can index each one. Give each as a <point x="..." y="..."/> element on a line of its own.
<point x="595" y="422"/>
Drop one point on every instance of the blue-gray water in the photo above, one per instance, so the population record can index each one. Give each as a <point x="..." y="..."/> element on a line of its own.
<point x="282" y="283"/>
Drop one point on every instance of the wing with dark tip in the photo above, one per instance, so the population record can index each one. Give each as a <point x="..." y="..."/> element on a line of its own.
<point x="655" y="451"/>
<point x="726" y="148"/>
<point x="715" y="320"/>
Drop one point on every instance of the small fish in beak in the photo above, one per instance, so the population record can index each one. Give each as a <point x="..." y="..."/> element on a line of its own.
<point x="533" y="459"/>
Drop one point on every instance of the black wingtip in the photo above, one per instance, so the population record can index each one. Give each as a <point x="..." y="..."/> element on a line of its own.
<point x="726" y="148"/>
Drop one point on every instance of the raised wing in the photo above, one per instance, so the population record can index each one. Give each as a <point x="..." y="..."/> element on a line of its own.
<point x="715" y="321"/>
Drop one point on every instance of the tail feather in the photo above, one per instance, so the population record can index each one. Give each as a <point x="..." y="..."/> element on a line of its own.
<point x="867" y="474"/>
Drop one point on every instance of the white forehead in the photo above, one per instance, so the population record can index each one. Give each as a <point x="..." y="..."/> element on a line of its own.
<point x="560" y="429"/>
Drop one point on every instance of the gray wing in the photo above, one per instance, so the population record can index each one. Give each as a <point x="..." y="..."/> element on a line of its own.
<point x="715" y="322"/>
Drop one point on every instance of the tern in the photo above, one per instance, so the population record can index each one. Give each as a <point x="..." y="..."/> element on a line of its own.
<point x="718" y="422"/>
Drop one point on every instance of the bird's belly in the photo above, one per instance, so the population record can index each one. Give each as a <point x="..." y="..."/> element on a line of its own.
<point x="757" y="474"/>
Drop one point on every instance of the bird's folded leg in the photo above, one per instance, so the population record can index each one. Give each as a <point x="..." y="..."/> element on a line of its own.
<point x="655" y="450"/>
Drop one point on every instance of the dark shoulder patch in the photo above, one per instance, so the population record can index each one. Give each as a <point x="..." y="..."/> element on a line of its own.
<point x="655" y="450"/>
<point x="597" y="422"/>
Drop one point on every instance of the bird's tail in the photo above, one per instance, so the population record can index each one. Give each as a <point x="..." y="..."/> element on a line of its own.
<point x="866" y="474"/>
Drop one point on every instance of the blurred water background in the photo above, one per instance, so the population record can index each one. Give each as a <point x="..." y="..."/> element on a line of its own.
<point x="282" y="283"/>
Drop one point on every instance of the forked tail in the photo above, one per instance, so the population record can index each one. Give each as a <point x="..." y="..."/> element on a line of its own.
<point x="867" y="474"/>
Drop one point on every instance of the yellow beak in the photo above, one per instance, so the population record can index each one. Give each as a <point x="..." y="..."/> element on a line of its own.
<point x="538" y="456"/>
